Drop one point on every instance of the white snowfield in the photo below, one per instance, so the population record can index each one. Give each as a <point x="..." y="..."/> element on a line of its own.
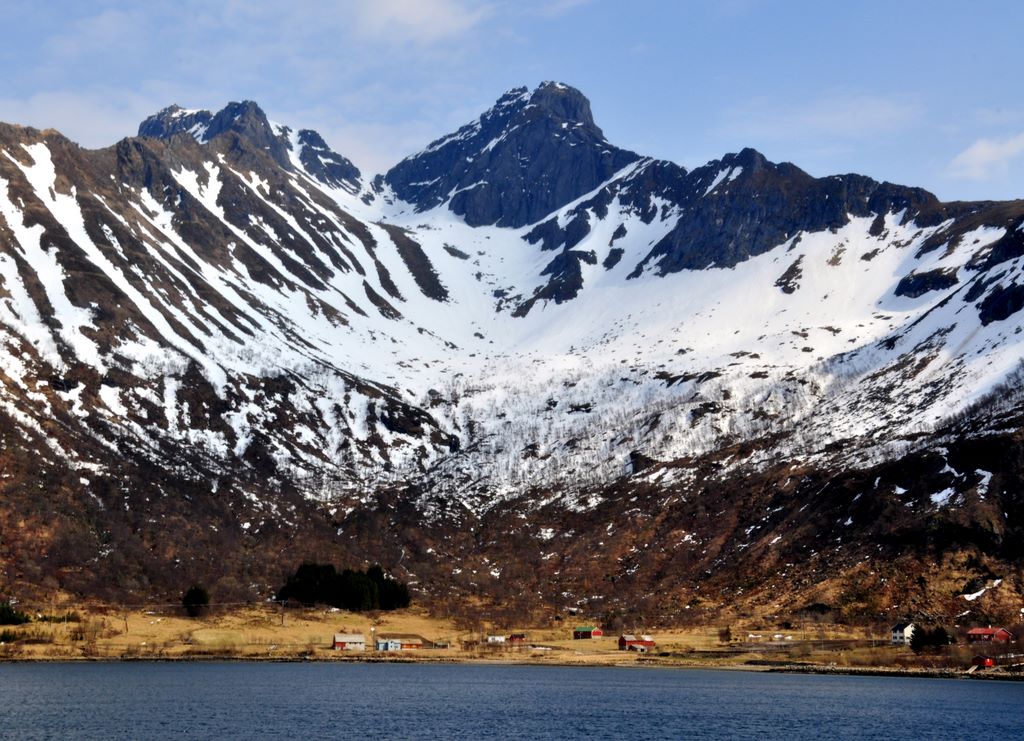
<point x="671" y="367"/>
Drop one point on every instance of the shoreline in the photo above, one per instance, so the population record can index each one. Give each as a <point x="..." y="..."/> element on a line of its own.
<point x="882" y="671"/>
<point x="645" y="663"/>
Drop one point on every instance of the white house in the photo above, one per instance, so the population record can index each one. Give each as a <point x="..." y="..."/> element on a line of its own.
<point x="902" y="633"/>
<point x="496" y="639"/>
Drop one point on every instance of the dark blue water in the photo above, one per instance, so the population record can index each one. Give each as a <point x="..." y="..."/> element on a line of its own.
<point x="396" y="701"/>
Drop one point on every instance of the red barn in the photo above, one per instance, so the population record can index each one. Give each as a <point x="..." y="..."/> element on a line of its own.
<point x="628" y="642"/>
<point x="349" y="642"/>
<point x="586" y="632"/>
<point x="989" y="635"/>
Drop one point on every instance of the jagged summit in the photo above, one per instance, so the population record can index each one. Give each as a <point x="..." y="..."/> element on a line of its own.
<point x="244" y="119"/>
<point x="304" y="149"/>
<point x="529" y="154"/>
<point x="248" y="119"/>
<point x="563" y="102"/>
<point x="324" y="164"/>
<point x="176" y="120"/>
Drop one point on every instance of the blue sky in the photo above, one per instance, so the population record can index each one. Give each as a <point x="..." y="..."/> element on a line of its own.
<point x="921" y="93"/>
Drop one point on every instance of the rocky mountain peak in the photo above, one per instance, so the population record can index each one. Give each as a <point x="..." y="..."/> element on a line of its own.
<point x="556" y="101"/>
<point x="243" y="116"/>
<point x="247" y="120"/>
<point x="324" y="164"/>
<point x="749" y="159"/>
<point x="563" y="102"/>
<point x="176" y="120"/>
<point x="526" y="156"/>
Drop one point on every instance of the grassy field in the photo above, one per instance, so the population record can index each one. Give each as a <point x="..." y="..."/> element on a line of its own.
<point x="270" y="632"/>
<point x="246" y="632"/>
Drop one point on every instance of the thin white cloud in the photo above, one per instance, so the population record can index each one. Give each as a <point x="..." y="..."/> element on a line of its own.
<point x="986" y="159"/>
<point x="852" y="116"/>
<point x="417" y="21"/>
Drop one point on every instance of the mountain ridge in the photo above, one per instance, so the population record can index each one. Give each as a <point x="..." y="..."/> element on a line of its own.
<point x="308" y="362"/>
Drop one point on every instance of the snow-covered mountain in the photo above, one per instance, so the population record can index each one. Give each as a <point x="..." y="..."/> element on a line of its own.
<point x="220" y="325"/>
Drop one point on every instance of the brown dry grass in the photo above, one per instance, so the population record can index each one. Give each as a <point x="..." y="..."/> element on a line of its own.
<point x="268" y="632"/>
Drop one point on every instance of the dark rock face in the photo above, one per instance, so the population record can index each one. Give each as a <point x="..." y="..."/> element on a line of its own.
<point x="727" y="211"/>
<point x="533" y="152"/>
<point x="789" y="281"/>
<point x="176" y="120"/>
<point x="636" y="193"/>
<point x="325" y="165"/>
<point x="566" y="271"/>
<point x="918" y="284"/>
<point x="419" y="264"/>
<point x="743" y="205"/>
<point x="1010" y="246"/>
<point x="524" y="158"/>
<point x="247" y="121"/>
<point x="1002" y="303"/>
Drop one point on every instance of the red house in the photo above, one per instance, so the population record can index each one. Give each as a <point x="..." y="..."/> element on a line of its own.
<point x="984" y="662"/>
<point x="517" y="638"/>
<point x="989" y="635"/>
<point x="586" y="632"/>
<point x="349" y="642"/>
<point x="628" y="642"/>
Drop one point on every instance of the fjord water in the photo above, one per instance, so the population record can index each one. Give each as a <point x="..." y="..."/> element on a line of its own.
<point x="355" y="700"/>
